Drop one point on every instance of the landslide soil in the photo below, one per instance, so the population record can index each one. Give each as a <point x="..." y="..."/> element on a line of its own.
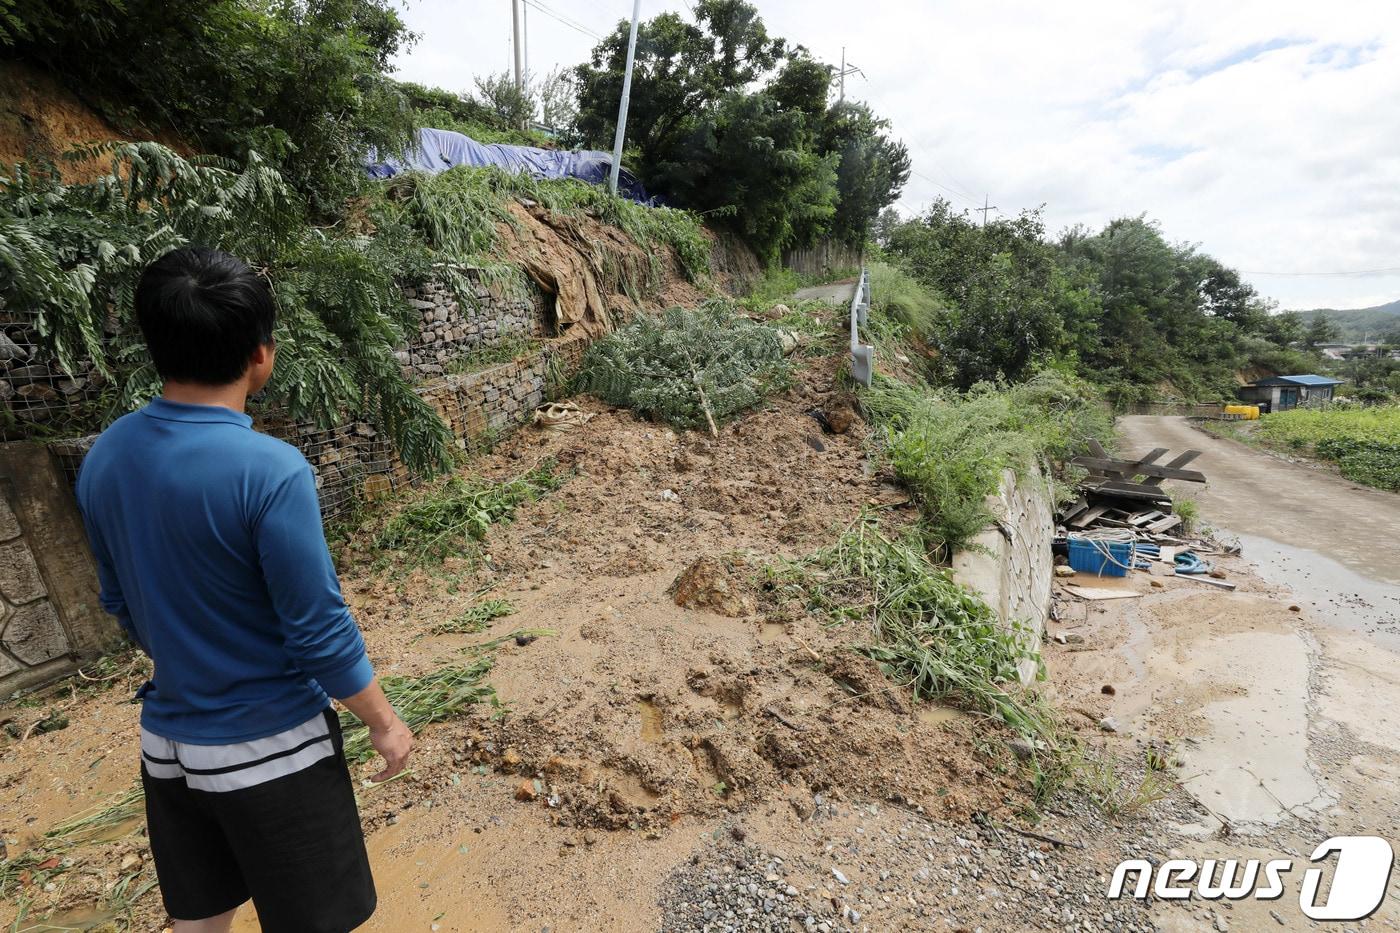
<point x="633" y="728"/>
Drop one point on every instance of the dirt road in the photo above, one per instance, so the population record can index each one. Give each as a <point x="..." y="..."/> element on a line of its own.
<point x="1279" y="699"/>
<point x="834" y="293"/>
<point x="1253" y="493"/>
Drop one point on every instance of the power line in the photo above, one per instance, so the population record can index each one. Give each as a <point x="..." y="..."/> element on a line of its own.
<point x="572" y="24"/>
<point x="986" y="208"/>
<point x="956" y="194"/>
<point x="1351" y="272"/>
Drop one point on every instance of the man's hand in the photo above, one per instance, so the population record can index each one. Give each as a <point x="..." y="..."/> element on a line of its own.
<point x="394" y="743"/>
<point x="387" y="733"/>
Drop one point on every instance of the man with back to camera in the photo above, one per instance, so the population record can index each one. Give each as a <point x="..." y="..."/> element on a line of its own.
<point x="210" y="552"/>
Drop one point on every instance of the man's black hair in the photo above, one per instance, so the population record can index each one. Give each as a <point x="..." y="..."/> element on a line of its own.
<point x="203" y="313"/>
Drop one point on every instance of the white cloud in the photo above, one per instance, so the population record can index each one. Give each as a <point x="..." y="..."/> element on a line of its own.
<point x="1265" y="130"/>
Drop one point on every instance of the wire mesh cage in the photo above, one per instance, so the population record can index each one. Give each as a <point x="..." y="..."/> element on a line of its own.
<point x="38" y="398"/>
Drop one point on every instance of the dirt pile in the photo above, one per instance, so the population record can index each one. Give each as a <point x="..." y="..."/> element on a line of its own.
<point x="677" y="681"/>
<point x="637" y="718"/>
<point x="39" y="118"/>
<point x="716" y="584"/>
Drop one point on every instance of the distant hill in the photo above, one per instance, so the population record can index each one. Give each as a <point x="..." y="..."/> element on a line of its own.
<point x="1358" y="324"/>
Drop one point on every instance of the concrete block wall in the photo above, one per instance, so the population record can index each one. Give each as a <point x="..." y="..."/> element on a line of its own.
<point x="1010" y="562"/>
<point x="50" y="618"/>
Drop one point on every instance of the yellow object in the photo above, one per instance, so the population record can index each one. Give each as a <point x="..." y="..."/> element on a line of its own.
<point x="1247" y="412"/>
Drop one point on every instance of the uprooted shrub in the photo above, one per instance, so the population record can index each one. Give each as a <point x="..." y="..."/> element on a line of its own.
<point x="691" y="369"/>
<point x="927" y="631"/>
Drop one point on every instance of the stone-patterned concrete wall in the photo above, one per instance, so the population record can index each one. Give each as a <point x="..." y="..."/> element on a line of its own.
<point x="30" y="633"/>
<point x="1010" y="562"/>
<point x="49" y="615"/>
<point x="451" y="328"/>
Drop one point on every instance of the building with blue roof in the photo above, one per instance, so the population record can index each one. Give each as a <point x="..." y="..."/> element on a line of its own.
<point x="1280" y="393"/>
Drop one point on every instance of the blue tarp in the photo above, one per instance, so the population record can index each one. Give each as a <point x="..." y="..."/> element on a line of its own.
<point x="439" y="150"/>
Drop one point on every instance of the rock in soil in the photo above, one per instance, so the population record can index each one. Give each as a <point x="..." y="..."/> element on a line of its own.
<point x="709" y="583"/>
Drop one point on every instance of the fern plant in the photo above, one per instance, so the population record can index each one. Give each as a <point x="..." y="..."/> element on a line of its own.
<point x="70" y="257"/>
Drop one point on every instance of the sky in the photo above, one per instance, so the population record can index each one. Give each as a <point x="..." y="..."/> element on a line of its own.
<point x="1265" y="131"/>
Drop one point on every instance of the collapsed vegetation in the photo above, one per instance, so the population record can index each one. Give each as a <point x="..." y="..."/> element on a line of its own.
<point x="691" y="369"/>
<point x="447" y="521"/>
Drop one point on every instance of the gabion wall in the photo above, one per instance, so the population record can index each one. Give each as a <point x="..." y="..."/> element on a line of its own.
<point x="353" y="462"/>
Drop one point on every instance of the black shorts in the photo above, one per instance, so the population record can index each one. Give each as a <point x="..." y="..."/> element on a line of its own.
<point x="292" y="843"/>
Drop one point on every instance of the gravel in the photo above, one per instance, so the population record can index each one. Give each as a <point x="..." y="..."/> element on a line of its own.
<point x="740" y="887"/>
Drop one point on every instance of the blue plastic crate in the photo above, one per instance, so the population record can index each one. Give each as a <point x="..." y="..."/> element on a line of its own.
<point x="1105" y="558"/>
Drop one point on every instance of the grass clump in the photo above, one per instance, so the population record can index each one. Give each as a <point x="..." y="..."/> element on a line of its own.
<point x="476" y="618"/>
<point x="442" y="694"/>
<point x="510" y="348"/>
<point x="689" y="368"/>
<point x="449" y="519"/>
<point x="927" y="631"/>
<point x="900" y="307"/>
<point x="951" y="448"/>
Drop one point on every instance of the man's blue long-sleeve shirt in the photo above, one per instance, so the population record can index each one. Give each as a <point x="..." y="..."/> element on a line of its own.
<point x="210" y="552"/>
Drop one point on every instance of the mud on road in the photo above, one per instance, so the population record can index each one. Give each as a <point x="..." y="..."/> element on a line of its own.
<point x="731" y="764"/>
<point x="1280" y="698"/>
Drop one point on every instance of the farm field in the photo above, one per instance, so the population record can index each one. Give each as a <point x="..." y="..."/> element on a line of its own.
<point x="1363" y="442"/>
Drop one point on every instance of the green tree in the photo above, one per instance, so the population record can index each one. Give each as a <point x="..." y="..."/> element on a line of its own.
<point x="681" y="71"/>
<point x="301" y="81"/>
<point x="872" y="171"/>
<point x="751" y="159"/>
<point x="1283" y="328"/>
<point x="514" y="106"/>
<point x="1320" y="330"/>
<point x="1012" y="308"/>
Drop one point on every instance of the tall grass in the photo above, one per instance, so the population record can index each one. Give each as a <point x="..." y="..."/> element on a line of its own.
<point x="928" y="632"/>
<point x="951" y="448"/>
<point x="900" y="307"/>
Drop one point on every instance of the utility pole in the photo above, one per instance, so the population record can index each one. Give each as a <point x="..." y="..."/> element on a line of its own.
<point x="519" y="46"/>
<point x="985" y="209"/>
<point x="840" y="76"/>
<point x="626" y="95"/>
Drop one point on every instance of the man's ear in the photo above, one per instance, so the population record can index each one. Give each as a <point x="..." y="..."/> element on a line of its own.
<point x="261" y="354"/>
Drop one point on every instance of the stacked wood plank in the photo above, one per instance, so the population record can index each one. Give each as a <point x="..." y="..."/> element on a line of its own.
<point x="1120" y="493"/>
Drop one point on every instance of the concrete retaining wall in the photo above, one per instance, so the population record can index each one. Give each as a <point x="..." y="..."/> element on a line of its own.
<point x="1010" y="563"/>
<point x="50" y="619"/>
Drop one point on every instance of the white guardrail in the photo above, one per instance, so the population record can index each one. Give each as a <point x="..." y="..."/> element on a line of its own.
<point x="862" y="354"/>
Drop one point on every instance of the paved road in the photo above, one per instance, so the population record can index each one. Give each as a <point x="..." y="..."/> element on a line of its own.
<point x="835" y="293"/>
<point x="1253" y="493"/>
